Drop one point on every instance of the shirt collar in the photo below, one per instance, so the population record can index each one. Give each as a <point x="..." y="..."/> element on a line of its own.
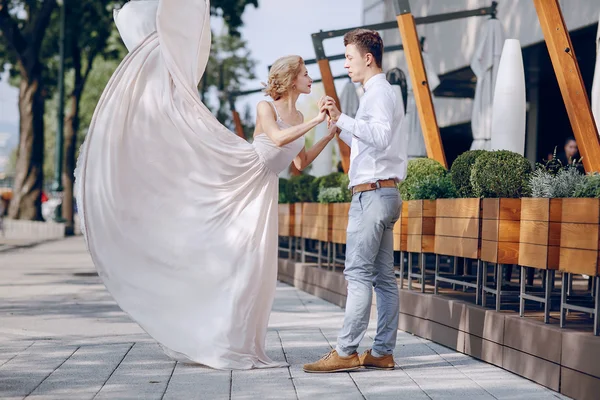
<point x="372" y="81"/>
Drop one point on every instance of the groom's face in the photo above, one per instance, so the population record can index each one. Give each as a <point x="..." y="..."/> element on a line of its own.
<point x="356" y="63"/>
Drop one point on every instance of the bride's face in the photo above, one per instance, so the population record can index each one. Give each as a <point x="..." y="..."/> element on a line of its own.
<point x="303" y="81"/>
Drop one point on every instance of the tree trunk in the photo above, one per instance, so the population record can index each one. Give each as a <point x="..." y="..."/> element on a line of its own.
<point x="29" y="178"/>
<point x="68" y="175"/>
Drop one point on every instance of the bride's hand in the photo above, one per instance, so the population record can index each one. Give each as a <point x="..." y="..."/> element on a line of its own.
<point x="333" y="130"/>
<point x="322" y="114"/>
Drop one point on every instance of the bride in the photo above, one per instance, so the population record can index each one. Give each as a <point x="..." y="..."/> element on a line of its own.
<point x="180" y="214"/>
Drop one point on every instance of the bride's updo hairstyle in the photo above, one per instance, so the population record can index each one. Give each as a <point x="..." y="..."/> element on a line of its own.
<point x="282" y="75"/>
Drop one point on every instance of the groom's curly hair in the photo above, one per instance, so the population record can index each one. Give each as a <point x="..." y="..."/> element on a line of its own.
<point x="367" y="41"/>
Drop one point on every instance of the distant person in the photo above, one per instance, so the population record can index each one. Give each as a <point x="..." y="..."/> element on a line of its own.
<point x="570" y="154"/>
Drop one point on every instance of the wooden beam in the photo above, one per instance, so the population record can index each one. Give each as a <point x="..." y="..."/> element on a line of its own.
<point x="239" y="129"/>
<point x="329" y="85"/>
<point x="569" y="79"/>
<point x="421" y="90"/>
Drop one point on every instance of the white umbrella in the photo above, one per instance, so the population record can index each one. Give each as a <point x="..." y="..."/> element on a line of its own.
<point x="595" y="97"/>
<point x="509" y="109"/>
<point x="484" y="64"/>
<point x="412" y="125"/>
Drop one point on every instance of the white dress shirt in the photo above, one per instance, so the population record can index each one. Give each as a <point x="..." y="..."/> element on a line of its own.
<point x="377" y="149"/>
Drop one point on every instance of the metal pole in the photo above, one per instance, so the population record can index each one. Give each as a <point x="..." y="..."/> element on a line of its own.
<point x="58" y="187"/>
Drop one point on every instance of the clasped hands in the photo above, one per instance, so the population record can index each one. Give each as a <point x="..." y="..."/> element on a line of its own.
<point x="327" y="105"/>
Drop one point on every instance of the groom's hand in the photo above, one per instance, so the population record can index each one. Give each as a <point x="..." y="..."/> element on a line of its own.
<point x="332" y="110"/>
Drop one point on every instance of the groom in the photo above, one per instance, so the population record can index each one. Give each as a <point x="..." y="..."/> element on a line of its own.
<point x="378" y="160"/>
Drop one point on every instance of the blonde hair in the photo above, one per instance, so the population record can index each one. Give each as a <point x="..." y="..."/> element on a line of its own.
<point x="282" y="75"/>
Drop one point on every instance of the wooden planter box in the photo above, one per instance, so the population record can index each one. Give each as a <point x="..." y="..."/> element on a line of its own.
<point x="297" y="212"/>
<point x="401" y="229"/>
<point x="539" y="239"/>
<point x="421" y="226"/>
<point x="315" y="221"/>
<point x="458" y="227"/>
<point x="500" y="229"/>
<point x="287" y="215"/>
<point x="579" y="236"/>
<point x="339" y="221"/>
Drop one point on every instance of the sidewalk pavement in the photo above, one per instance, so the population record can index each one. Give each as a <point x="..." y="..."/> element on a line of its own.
<point x="63" y="337"/>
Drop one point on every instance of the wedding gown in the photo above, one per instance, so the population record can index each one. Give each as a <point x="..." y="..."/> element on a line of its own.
<point x="180" y="214"/>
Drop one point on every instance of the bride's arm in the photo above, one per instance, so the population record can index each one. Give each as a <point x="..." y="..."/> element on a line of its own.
<point x="305" y="157"/>
<point x="281" y="137"/>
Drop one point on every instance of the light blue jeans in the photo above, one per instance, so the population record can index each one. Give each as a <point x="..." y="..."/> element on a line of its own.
<point x="370" y="264"/>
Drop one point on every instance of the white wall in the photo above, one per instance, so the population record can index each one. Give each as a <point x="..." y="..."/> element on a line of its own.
<point x="451" y="44"/>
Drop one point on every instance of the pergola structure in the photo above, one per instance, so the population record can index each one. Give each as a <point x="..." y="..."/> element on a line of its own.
<point x="559" y="45"/>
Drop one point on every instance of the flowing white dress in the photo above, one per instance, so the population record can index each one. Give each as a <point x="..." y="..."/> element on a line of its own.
<point x="179" y="213"/>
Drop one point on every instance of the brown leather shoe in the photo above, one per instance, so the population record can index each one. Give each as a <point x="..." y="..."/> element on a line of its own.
<point x="332" y="362"/>
<point x="369" y="361"/>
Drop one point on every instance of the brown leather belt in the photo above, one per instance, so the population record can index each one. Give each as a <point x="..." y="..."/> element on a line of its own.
<point x="365" y="187"/>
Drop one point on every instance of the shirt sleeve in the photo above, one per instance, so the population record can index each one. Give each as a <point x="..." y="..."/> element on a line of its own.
<point x="374" y="127"/>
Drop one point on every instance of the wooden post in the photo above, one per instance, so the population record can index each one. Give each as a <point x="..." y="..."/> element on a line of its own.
<point x="569" y="79"/>
<point x="239" y="129"/>
<point x="416" y="69"/>
<point x="329" y="85"/>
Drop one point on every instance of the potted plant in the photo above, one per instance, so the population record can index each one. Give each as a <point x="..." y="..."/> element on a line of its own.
<point x="298" y="190"/>
<point x="286" y="210"/>
<point x="335" y="192"/>
<point x="418" y="191"/>
<point x="458" y="220"/>
<point x="500" y="178"/>
<point x="540" y="228"/>
<point x="579" y="244"/>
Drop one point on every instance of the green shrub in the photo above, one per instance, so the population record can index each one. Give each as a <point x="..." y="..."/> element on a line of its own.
<point x="563" y="183"/>
<point x="299" y="189"/>
<point x="332" y="195"/>
<point x="418" y="170"/>
<point x="315" y="186"/>
<point x="433" y="187"/>
<point x="333" y="180"/>
<point x="460" y="172"/>
<point x="589" y="187"/>
<point x="500" y="173"/>
<point x="283" y="190"/>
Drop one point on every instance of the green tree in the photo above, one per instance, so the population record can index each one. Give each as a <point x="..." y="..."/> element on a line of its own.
<point x="229" y="65"/>
<point x="23" y="44"/>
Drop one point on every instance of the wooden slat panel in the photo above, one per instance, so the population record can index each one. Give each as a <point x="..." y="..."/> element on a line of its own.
<point x="459" y="227"/>
<point x="298" y="208"/>
<point x="534" y="232"/>
<point x="415" y="226"/>
<point x="533" y="255"/>
<point x="415" y="208"/>
<point x="508" y="252"/>
<point x="583" y="211"/>
<point x="570" y="81"/>
<point x="508" y="231"/>
<point x="429" y="208"/>
<point x="413" y="243"/>
<point x="458" y="208"/>
<point x="578" y="261"/>
<point x="510" y="209"/>
<point x="579" y="236"/>
<point x="535" y="209"/>
<point x="428" y="226"/>
<point x="489" y="251"/>
<point x="416" y="71"/>
<point x="489" y="229"/>
<point x="457" y="246"/>
<point x="428" y="244"/>
<point x="490" y="208"/>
